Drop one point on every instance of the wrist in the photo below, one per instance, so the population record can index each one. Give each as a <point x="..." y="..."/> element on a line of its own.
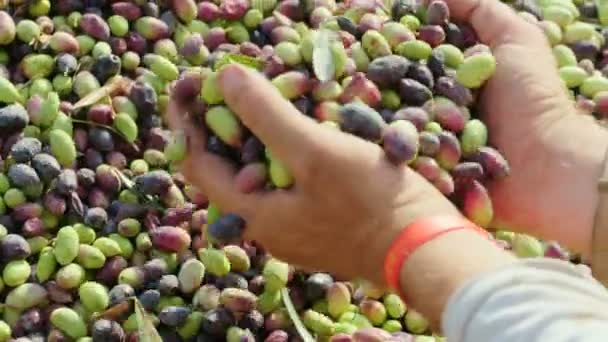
<point x="429" y="203"/>
<point x="437" y="269"/>
<point x="416" y="235"/>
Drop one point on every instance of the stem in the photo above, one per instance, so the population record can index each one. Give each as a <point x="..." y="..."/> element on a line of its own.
<point x="91" y="123"/>
<point x="109" y="128"/>
<point x="147" y="199"/>
<point x="295" y="318"/>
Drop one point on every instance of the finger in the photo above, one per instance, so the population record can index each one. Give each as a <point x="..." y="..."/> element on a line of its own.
<point x="213" y="175"/>
<point x="521" y="50"/>
<point x="176" y="114"/>
<point x="261" y="107"/>
<point x="496" y="23"/>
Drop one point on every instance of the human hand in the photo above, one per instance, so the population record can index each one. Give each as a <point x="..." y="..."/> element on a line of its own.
<point x="348" y="202"/>
<point x="554" y="153"/>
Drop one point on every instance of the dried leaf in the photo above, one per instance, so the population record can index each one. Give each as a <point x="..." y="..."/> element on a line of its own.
<point x="323" y="62"/>
<point x="146" y="332"/>
<point x="76" y="205"/>
<point x="116" y="312"/>
<point x="123" y="179"/>
<point x="97" y="95"/>
<point x="295" y="318"/>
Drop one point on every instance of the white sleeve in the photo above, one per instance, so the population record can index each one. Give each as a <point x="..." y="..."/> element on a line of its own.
<point x="535" y="300"/>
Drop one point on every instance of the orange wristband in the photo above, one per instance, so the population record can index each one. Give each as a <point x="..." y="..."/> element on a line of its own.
<point x="417" y="234"/>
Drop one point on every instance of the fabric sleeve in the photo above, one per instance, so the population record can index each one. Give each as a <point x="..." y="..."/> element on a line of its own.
<point x="534" y="300"/>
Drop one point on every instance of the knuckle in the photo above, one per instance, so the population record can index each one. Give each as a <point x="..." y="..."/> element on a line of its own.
<point x="533" y="31"/>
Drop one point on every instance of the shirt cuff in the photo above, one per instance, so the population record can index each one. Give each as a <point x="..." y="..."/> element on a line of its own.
<point x="532" y="300"/>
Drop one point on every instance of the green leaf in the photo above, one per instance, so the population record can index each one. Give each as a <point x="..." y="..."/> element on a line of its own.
<point x="322" y="57"/>
<point x="602" y="10"/>
<point x="295" y="318"/>
<point x="245" y="60"/>
<point x="146" y="332"/>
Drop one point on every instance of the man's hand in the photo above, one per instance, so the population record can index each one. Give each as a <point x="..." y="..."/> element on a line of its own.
<point x="555" y="153"/>
<point x="349" y="199"/>
<point x="348" y="202"/>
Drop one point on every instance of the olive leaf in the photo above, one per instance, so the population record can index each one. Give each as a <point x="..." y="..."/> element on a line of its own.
<point x="323" y="63"/>
<point x="602" y="11"/>
<point x="205" y="237"/>
<point x="76" y="205"/>
<point x="295" y="318"/>
<point x="221" y="22"/>
<point x="245" y="60"/>
<point x="123" y="179"/>
<point x="114" y="313"/>
<point x="146" y="332"/>
<point x="95" y="96"/>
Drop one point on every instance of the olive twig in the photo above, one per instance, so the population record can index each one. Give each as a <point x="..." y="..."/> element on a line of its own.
<point x="293" y="315"/>
<point x="109" y="128"/>
<point x="129" y="185"/>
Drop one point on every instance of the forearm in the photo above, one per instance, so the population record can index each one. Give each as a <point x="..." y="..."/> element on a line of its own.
<point x="475" y="291"/>
<point x="440" y="267"/>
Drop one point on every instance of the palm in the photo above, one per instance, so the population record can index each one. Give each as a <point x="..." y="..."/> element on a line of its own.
<point x="524" y="104"/>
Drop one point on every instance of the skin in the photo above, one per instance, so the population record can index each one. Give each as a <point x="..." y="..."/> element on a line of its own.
<point x="556" y="156"/>
<point x="555" y="153"/>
